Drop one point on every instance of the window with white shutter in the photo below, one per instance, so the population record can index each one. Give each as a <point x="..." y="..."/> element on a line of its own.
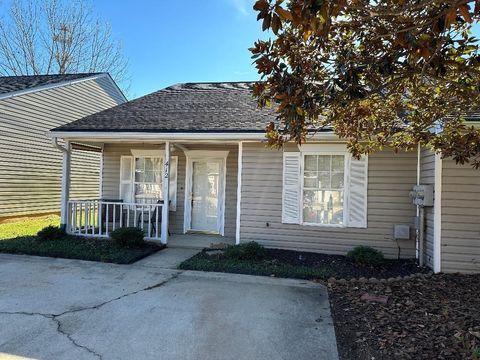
<point x="291" y="188"/>
<point x="358" y="182"/>
<point x="323" y="185"/>
<point x="126" y="178"/>
<point x="141" y="179"/>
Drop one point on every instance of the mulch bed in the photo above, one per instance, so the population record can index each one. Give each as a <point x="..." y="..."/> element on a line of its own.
<point x="427" y="317"/>
<point x="301" y="265"/>
<point x="343" y="267"/>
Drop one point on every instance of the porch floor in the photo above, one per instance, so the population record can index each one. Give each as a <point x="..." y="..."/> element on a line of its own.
<point x="198" y="241"/>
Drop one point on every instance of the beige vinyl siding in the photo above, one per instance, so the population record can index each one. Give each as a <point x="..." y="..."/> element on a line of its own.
<point x="460" y="241"/>
<point x="111" y="179"/>
<point x="427" y="177"/>
<point x="30" y="167"/>
<point x="390" y="178"/>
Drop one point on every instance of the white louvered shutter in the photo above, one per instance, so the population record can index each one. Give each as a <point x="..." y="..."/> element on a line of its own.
<point x="172" y="196"/>
<point x="126" y="179"/>
<point x="291" y="188"/>
<point x="358" y="182"/>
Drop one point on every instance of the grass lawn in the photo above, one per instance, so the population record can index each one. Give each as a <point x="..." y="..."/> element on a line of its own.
<point x="19" y="238"/>
<point x="27" y="226"/>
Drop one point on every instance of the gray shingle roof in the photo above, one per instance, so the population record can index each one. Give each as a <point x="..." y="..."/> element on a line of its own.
<point x="10" y="84"/>
<point x="189" y="107"/>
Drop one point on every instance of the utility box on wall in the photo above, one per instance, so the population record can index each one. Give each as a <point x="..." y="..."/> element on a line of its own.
<point x="401" y="232"/>
<point x="422" y="195"/>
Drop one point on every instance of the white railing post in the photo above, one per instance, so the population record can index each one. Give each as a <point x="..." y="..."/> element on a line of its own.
<point x="166" y="189"/>
<point x="65" y="186"/>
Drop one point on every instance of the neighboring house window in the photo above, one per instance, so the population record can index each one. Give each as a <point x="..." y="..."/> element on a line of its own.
<point x="148" y="179"/>
<point x="323" y="189"/>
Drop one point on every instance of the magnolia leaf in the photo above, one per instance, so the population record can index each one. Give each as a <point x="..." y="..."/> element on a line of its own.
<point x="283" y="14"/>
<point x="276" y="24"/>
<point x="261" y="5"/>
<point x="464" y="11"/>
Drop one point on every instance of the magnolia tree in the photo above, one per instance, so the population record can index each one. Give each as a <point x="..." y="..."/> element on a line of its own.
<point x="379" y="73"/>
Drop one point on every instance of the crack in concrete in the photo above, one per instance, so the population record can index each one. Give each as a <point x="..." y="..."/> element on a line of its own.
<point x="54" y="317"/>
<point x="73" y="341"/>
<point x="98" y="306"/>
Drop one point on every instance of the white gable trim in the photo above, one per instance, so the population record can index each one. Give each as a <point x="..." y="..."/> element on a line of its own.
<point x="60" y="84"/>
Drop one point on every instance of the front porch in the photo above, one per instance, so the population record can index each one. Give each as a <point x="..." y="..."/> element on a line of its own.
<point x="198" y="180"/>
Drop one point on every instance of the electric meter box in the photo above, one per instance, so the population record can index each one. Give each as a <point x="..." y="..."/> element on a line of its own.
<point x="422" y="195"/>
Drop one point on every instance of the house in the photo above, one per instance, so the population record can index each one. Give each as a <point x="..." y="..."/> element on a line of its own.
<point x="191" y="159"/>
<point x="30" y="167"/>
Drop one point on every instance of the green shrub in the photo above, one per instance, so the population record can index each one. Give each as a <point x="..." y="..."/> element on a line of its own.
<point x="476" y="353"/>
<point x="366" y="256"/>
<point x="248" y="251"/>
<point x="51" y="233"/>
<point x="129" y="237"/>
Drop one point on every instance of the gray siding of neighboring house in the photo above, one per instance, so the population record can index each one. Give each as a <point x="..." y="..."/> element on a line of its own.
<point x="390" y="178"/>
<point x="30" y="168"/>
<point x="460" y="241"/>
<point x="111" y="179"/>
<point x="427" y="177"/>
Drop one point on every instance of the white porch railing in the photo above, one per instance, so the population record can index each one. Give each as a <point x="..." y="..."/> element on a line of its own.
<point x="97" y="218"/>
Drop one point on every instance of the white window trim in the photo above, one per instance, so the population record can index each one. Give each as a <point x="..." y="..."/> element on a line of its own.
<point x="147" y="153"/>
<point x="346" y="193"/>
<point x="145" y="156"/>
<point x="137" y="153"/>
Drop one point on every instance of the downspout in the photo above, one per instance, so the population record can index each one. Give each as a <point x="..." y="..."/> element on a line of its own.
<point x="420" y="246"/>
<point x="417" y="242"/>
<point x="65" y="181"/>
<point x="57" y="145"/>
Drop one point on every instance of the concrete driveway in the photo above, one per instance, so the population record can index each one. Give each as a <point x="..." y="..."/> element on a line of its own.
<point x="69" y="309"/>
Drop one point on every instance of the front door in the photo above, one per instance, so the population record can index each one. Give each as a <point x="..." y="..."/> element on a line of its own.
<point x="206" y="195"/>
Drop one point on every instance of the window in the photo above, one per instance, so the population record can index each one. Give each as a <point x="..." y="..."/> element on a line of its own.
<point x="141" y="178"/>
<point x="323" y="185"/>
<point x="148" y="179"/>
<point x="324" y="189"/>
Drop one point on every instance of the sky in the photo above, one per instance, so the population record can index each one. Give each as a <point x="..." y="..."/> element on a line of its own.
<point x="174" y="41"/>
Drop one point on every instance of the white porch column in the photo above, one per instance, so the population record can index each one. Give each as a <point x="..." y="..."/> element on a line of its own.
<point x="166" y="193"/>
<point x="239" y="191"/>
<point x="65" y="186"/>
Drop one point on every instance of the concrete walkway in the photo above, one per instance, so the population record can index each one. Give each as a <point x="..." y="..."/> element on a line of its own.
<point x="168" y="258"/>
<point x="70" y="309"/>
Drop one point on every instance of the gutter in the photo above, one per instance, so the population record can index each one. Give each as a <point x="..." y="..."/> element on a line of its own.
<point x="103" y="135"/>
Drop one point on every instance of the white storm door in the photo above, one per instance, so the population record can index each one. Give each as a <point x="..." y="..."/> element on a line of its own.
<point x="207" y="195"/>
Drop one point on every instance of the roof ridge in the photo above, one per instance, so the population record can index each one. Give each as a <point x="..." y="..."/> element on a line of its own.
<point x="240" y="85"/>
<point x="59" y="75"/>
